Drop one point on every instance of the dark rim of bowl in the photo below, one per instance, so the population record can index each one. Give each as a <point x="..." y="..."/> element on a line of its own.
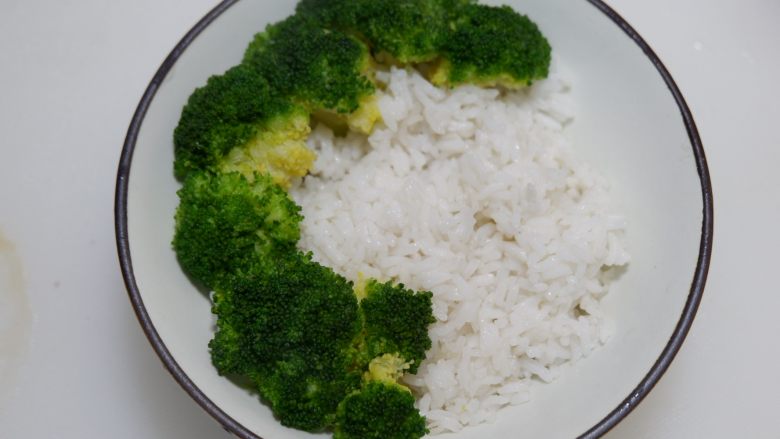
<point x="608" y="422"/>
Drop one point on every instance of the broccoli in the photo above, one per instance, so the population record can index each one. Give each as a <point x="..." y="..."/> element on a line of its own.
<point x="379" y="411"/>
<point x="492" y="46"/>
<point x="401" y="31"/>
<point x="320" y="69"/>
<point x="396" y="321"/>
<point x="226" y="224"/>
<point x="331" y="14"/>
<point x="238" y="114"/>
<point x="297" y="331"/>
<point x="289" y="329"/>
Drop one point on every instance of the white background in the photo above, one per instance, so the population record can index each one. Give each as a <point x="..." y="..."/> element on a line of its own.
<point x="73" y="360"/>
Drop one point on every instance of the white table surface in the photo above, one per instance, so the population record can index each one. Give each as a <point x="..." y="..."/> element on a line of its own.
<point x="73" y="360"/>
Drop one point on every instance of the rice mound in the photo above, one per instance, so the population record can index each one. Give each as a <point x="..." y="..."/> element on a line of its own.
<point x="475" y="195"/>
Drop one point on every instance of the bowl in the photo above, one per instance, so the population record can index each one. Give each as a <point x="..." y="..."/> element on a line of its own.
<point x="631" y="122"/>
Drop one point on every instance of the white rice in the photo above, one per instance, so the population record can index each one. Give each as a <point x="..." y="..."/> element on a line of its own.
<point x="476" y="196"/>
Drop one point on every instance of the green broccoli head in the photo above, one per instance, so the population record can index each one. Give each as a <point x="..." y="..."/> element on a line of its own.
<point x="226" y="224"/>
<point x="409" y="31"/>
<point x="303" y="394"/>
<point x="289" y="328"/>
<point x="492" y="46"/>
<point x="311" y="65"/>
<point x="396" y="321"/>
<point x="331" y="14"/>
<point x="380" y="410"/>
<point x="229" y="113"/>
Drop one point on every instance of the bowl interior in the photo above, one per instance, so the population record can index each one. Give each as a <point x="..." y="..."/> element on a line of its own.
<point x="628" y="126"/>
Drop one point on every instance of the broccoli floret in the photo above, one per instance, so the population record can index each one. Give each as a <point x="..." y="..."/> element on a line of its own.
<point x="278" y="149"/>
<point x="293" y="329"/>
<point x="396" y="321"/>
<point x="289" y="329"/>
<point x="226" y="224"/>
<point x="410" y="31"/>
<point x="317" y="68"/>
<point x="238" y="114"/>
<point x="492" y="46"/>
<point x="305" y="395"/>
<point x="332" y="14"/>
<point x="401" y="31"/>
<point x="379" y="410"/>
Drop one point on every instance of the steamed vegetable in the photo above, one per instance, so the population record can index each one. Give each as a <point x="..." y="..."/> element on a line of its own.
<point x="317" y="68"/>
<point x="238" y="122"/>
<point x="297" y="332"/>
<point x="379" y="410"/>
<point x="396" y="320"/>
<point x="491" y="46"/>
<point x="228" y="226"/>
<point x="403" y="31"/>
<point x="289" y="329"/>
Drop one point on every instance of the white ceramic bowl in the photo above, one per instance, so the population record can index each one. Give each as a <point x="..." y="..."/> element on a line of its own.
<point x="631" y="123"/>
